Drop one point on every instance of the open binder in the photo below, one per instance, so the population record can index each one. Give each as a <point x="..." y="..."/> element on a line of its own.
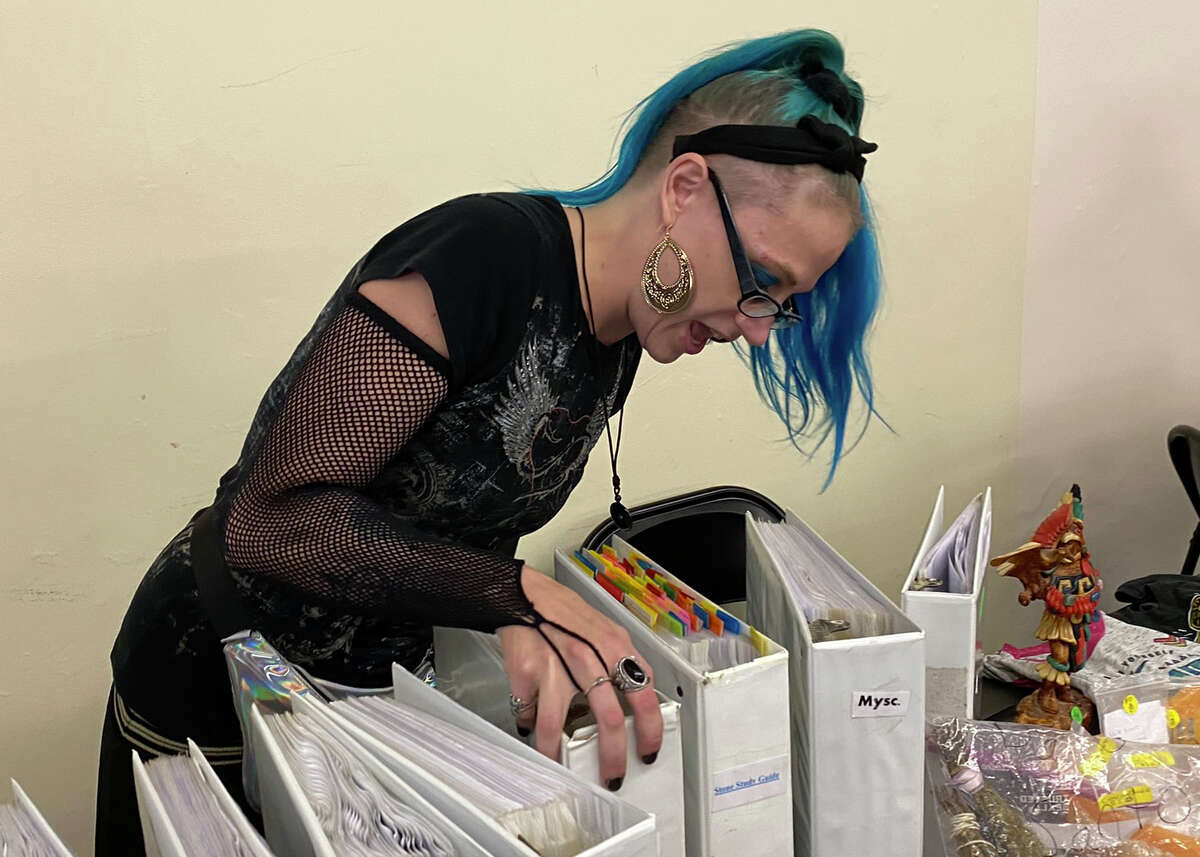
<point x="169" y="826"/>
<point x="289" y="814"/>
<point x="470" y="670"/>
<point x="947" y="611"/>
<point x="22" y="826"/>
<point x="733" y="728"/>
<point x="857" y="702"/>
<point x="633" y="829"/>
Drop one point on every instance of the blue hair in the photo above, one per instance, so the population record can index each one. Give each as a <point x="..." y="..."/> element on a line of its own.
<point x="816" y="366"/>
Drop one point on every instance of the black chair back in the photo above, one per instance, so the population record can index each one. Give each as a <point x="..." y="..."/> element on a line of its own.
<point x="1183" y="445"/>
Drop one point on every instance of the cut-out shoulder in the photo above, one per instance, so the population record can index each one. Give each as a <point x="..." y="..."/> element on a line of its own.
<point x="409" y="301"/>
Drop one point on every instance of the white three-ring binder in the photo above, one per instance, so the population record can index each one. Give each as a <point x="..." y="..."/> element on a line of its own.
<point x="45" y="833"/>
<point x="857" y="710"/>
<point x="733" y="727"/>
<point x="159" y="828"/>
<point x="950" y="620"/>
<point x="470" y="670"/>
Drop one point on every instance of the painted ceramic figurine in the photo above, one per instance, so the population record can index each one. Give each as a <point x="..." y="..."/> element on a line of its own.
<point x="1055" y="568"/>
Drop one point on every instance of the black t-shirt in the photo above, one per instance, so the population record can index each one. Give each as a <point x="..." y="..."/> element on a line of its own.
<point x="381" y="488"/>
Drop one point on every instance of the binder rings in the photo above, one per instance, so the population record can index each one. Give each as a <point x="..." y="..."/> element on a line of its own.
<point x="857" y="708"/>
<point x="470" y="670"/>
<point x="951" y="619"/>
<point x="733" y="729"/>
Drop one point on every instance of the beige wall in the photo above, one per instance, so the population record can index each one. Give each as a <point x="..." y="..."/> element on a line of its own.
<point x="182" y="186"/>
<point x="1110" y="355"/>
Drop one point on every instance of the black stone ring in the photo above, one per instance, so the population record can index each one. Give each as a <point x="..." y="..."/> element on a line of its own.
<point x="628" y="676"/>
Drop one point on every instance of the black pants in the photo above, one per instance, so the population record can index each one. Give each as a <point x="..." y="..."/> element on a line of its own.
<point x="118" y="824"/>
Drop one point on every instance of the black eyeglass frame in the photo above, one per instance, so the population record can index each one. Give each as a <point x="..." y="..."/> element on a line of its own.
<point x="785" y="314"/>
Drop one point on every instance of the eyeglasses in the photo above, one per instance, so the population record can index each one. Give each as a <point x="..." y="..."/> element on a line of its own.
<point x="755" y="302"/>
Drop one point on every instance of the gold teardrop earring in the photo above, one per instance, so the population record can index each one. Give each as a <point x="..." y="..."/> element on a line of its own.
<point x="666" y="298"/>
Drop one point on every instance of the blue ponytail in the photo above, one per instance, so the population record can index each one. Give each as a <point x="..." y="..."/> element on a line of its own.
<point x="823" y="361"/>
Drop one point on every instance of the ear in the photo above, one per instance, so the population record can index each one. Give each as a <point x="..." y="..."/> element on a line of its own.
<point x="684" y="183"/>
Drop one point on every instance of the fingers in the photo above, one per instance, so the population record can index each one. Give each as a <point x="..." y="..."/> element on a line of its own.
<point x="647" y="722"/>
<point x="587" y="670"/>
<point x="554" y="700"/>
<point x="600" y="643"/>
<point x="526" y="716"/>
<point x="610" y="728"/>
<point x="525" y="663"/>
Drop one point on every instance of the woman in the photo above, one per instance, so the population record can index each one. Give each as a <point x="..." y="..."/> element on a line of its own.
<point x="447" y="397"/>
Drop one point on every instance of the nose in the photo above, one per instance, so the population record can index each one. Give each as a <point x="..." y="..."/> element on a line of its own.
<point x="755" y="330"/>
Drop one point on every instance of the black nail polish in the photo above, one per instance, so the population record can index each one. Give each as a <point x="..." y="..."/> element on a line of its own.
<point x="614" y="783"/>
<point x="523" y="732"/>
<point x="649" y="758"/>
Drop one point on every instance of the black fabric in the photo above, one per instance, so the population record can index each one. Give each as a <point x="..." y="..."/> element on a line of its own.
<point x="811" y="141"/>
<point x="405" y="506"/>
<point x="218" y="595"/>
<point x="1166" y="602"/>
<point x="480" y="256"/>
<point x="827" y="85"/>
<point x="303" y="515"/>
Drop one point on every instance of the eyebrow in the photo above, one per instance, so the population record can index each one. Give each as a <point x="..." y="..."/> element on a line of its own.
<point x="784" y="269"/>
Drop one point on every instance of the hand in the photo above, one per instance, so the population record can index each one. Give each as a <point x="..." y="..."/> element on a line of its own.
<point x="535" y="672"/>
<point x="1025" y="597"/>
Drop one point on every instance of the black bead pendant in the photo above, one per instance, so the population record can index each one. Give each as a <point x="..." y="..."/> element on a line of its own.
<point x="620" y="515"/>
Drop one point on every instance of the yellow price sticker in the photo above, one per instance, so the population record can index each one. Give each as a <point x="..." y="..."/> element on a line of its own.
<point x="1156" y="759"/>
<point x="1098" y="760"/>
<point x="1129" y="797"/>
<point x="1172" y="718"/>
<point x="1131" y="704"/>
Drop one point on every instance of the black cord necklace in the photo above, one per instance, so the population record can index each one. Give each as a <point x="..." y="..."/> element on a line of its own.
<point x="617" y="510"/>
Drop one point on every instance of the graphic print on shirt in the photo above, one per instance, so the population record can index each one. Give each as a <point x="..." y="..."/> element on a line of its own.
<point x="515" y="467"/>
<point x="544" y="439"/>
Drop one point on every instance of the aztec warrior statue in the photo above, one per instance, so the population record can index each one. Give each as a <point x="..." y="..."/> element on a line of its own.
<point x="1055" y="567"/>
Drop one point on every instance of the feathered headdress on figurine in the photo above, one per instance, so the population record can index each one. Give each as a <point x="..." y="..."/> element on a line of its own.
<point x="1064" y="524"/>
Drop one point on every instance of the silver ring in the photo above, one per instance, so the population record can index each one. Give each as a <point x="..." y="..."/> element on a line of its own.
<point x="628" y="676"/>
<point x="601" y="680"/>
<point x="516" y="705"/>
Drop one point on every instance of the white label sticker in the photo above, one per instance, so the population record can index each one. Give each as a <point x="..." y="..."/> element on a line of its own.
<point x="749" y="783"/>
<point x="879" y="703"/>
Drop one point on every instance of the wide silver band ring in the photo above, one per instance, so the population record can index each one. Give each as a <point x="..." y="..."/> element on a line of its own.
<point x="604" y="679"/>
<point x="517" y="705"/>
<point x="628" y="676"/>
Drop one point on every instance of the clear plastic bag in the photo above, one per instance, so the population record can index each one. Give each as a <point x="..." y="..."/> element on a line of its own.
<point x="1134" y="708"/>
<point x="1009" y="790"/>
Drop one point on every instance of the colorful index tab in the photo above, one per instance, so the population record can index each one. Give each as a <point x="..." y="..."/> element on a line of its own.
<point x="640" y="610"/>
<point x="611" y="588"/>
<point x="586" y="561"/>
<point x="732" y="625"/>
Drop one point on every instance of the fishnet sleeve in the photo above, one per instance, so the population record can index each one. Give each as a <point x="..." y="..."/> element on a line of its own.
<point x="301" y="517"/>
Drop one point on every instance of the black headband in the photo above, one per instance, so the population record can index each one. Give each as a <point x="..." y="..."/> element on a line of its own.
<point x="811" y="141"/>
